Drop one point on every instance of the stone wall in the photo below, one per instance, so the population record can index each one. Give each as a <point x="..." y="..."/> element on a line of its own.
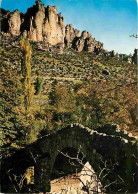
<point x="118" y="150"/>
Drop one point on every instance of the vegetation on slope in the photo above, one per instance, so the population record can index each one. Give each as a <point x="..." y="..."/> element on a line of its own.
<point x="89" y="89"/>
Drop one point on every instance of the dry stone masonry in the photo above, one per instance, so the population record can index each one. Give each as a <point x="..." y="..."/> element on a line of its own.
<point x="115" y="147"/>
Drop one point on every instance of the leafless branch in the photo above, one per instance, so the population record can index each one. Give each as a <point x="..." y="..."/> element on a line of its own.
<point x="12" y="180"/>
<point x="17" y="181"/>
<point x="86" y="172"/>
<point x="110" y="184"/>
<point x="134" y="36"/>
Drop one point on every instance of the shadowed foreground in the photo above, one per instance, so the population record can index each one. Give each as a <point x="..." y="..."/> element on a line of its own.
<point x="114" y="147"/>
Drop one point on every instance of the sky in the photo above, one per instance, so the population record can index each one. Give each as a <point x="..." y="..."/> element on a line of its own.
<point x="109" y="21"/>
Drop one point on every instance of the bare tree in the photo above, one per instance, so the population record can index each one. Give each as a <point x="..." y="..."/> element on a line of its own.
<point x="18" y="182"/>
<point x="134" y="36"/>
<point x="93" y="182"/>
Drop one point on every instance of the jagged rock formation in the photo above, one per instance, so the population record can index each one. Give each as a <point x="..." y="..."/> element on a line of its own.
<point x="54" y="30"/>
<point x="112" y="53"/>
<point x="87" y="43"/>
<point x="14" y="23"/>
<point x="70" y="35"/>
<point x="81" y="42"/>
<point x="42" y="24"/>
<point x="38" y="24"/>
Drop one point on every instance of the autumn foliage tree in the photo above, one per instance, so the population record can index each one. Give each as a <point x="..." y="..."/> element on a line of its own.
<point x="60" y="110"/>
<point x="105" y="102"/>
<point x="11" y="117"/>
<point x="28" y="88"/>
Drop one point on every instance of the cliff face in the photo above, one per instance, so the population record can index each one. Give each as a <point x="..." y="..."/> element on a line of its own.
<point x="35" y="32"/>
<point x="87" y="43"/>
<point x="53" y="28"/>
<point x="14" y="23"/>
<point x="71" y="35"/>
<point x="42" y="24"/>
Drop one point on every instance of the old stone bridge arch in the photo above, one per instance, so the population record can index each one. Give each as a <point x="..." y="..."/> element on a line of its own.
<point x="113" y="146"/>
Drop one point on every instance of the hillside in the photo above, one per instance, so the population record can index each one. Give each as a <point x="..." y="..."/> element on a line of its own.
<point x="68" y="107"/>
<point x="85" y="88"/>
<point x="73" y="79"/>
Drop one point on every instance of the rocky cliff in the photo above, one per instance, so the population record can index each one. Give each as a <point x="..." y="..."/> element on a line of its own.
<point x="71" y="35"/>
<point x="43" y="24"/>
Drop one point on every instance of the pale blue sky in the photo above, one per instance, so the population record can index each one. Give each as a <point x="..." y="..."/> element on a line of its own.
<point x="109" y="21"/>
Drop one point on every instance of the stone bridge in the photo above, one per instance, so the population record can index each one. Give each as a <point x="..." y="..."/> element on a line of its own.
<point x="108" y="144"/>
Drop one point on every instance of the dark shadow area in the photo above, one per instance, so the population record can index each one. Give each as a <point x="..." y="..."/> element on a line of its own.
<point x="67" y="165"/>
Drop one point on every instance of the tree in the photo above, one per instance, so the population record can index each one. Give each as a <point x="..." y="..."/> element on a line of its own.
<point x="38" y="85"/>
<point x="11" y="117"/>
<point x="28" y="88"/>
<point x="62" y="104"/>
<point x="105" y="102"/>
<point x="134" y="36"/>
<point x="90" y="181"/>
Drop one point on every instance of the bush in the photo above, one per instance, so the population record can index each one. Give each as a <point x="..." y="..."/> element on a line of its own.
<point x="38" y="85"/>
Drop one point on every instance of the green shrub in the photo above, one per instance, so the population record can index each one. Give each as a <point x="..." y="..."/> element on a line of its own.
<point x="38" y="85"/>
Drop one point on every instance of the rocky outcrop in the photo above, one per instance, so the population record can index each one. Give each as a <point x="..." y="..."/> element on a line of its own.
<point x="10" y="22"/>
<point x="80" y="43"/>
<point x="40" y="24"/>
<point x="53" y="29"/>
<point x="43" y="24"/>
<point x="86" y="43"/>
<point x="71" y="35"/>
<point x="14" y="23"/>
<point x="4" y="24"/>
<point x="35" y="32"/>
<point x="112" y="53"/>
